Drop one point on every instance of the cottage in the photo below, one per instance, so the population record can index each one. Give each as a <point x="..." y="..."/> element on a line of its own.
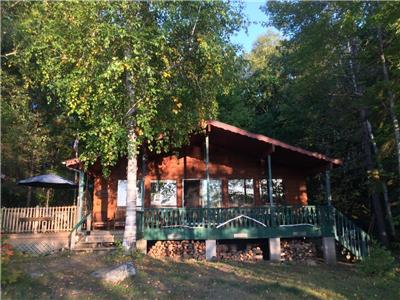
<point x="227" y="185"/>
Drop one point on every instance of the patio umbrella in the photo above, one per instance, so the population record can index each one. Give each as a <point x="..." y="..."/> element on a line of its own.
<point x="49" y="181"/>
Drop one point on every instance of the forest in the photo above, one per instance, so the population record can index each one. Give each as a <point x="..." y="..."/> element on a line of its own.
<point x="327" y="79"/>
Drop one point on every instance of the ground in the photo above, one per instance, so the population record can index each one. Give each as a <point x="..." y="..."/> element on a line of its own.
<point x="67" y="276"/>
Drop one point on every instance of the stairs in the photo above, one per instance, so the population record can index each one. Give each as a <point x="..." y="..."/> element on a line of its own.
<point x="350" y="236"/>
<point x="97" y="240"/>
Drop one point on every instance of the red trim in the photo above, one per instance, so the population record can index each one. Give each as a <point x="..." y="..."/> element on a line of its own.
<point x="271" y="141"/>
<point x="72" y="162"/>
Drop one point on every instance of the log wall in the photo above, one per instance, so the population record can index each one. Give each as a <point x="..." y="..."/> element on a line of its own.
<point x="224" y="165"/>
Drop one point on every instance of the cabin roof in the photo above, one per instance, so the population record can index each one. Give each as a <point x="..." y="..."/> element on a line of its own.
<point x="260" y="145"/>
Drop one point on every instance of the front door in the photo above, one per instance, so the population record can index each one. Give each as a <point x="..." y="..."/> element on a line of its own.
<point x="192" y="193"/>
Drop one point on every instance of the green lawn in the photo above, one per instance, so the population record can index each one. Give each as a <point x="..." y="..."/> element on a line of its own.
<point x="68" y="277"/>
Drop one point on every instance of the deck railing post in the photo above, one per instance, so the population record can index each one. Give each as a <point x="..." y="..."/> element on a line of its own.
<point x="270" y="195"/>
<point x="328" y="194"/>
<point x="144" y="170"/>
<point x="207" y="171"/>
<point x="80" y="197"/>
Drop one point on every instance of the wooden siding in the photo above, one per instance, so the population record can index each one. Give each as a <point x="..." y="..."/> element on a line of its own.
<point x="224" y="164"/>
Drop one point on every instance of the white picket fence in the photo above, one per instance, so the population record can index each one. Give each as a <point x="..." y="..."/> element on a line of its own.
<point x="38" y="219"/>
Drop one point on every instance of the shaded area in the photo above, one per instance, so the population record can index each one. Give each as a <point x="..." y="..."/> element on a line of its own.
<point x="68" y="277"/>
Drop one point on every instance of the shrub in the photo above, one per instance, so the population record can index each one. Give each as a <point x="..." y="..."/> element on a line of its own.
<point x="8" y="272"/>
<point x="379" y="262"/>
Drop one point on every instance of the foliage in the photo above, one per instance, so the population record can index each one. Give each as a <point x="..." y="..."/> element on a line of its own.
<point x="36" y="136"/>
<point x="9" y="274"/>
<point x="379" y="262"/>
<point x="81" y="53"/>
<point x="309" y="86"/>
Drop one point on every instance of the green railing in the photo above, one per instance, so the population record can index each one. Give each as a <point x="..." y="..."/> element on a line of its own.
<point x="251" y="217"/>
<point x="72" y="233"/>
<point x="139" y="224"/>
<point x="350" y="236"/>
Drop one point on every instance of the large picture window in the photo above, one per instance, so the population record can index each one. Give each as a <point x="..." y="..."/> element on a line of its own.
<point x="278" y="194"/>
<point x="163" y="193"/>
<point x="215" y="193"/>
<point x="121" y="194"/>
<point x="241" y="192"/>
<point x="195" y="193"/>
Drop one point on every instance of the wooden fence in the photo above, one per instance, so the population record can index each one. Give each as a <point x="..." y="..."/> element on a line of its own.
<point x="38" y="219"/>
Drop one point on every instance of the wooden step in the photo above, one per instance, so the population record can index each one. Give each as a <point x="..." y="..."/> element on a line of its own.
<point x="106" y="232"/>
<point x="100" y="239"/>
<point x="92" y="244"/>
<point x="96" y="249"/>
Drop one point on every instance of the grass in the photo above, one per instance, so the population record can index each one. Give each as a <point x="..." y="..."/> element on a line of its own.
<point x="68" y="277"/>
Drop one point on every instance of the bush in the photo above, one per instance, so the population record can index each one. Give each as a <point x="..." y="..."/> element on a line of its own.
<point x="8" y="272"/>
<point x="379" y="262"/>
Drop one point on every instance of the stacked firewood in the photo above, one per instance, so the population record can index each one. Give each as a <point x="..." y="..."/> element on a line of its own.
<point x="252" y="253"/>
<point x="298" y="250"/>
<point x="179" y="249"/>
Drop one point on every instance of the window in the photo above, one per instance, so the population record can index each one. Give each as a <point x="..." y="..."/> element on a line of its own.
<point x="163" y="193"/>
<point x="121" y="193"/>
<point x="278" y="194"/>
<point x="195" y="193"/>
<point x="241" y="192"/>
<point x="215" y="193"/>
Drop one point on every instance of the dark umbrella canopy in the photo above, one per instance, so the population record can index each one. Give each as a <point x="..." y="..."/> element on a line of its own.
<point x="48" y="181"/>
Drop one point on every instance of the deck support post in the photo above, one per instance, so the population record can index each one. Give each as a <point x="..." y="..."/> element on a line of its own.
<point x="328" y="194"/>
<point x="207" y="171"/>
<point x="211" y="249"/>
<point x="275" y="249"/>
<point x="81" y="188"/>
<point x="142" y="184"/>
<point x="271" y="200"/>
<point x="141" y="246"/>
<point x="328" y="241"/>
<point x="329" y="250"/>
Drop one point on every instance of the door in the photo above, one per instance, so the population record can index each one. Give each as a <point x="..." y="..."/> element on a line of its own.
<point x="192" y="193"/>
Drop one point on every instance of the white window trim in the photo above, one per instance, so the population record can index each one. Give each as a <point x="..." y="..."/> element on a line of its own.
<point x="120" y="197"/>
<point x="165" y="181"/>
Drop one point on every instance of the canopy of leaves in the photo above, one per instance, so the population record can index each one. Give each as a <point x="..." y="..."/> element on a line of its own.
<point x="80" y="52"/>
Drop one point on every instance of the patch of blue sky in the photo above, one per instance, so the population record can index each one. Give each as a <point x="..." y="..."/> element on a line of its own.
<point x="257" y="19"/>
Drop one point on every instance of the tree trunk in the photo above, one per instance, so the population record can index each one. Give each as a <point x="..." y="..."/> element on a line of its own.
<point x="129" y="242"/>
<point x="385" y="193"/>
<point x="368" y="141"/>
<point x="395" y="121"/>
<point x="376" y="204"/>
<point x="29" y="195"/>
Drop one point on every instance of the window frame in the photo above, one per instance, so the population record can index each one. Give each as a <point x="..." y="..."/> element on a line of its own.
<point x="152" y="204"/>
<point x="239" y="204"/>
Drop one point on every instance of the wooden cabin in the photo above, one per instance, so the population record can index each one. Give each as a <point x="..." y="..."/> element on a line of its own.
<point x="233" y="165"/>
<point x="227" y="185"/>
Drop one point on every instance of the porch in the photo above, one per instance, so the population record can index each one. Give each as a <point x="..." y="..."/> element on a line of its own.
<point x="234" y="223"/>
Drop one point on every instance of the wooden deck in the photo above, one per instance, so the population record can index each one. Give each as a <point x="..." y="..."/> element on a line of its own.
<point x="234" y="223"/>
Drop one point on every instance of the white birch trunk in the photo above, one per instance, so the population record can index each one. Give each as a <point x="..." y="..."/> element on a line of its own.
<point x="129" y="242"/>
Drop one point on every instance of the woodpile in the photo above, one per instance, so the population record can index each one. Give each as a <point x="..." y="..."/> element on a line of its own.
<point x="197" y="250"/>
<point x="229" y="252"/>
<point x="179" y="249"/>
<point x="298" y="250"/>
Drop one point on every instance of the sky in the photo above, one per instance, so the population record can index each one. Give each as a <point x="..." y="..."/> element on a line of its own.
<point x="255" y="15"/>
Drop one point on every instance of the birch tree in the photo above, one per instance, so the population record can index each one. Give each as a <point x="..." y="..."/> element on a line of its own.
<point x="128" y="73"/>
